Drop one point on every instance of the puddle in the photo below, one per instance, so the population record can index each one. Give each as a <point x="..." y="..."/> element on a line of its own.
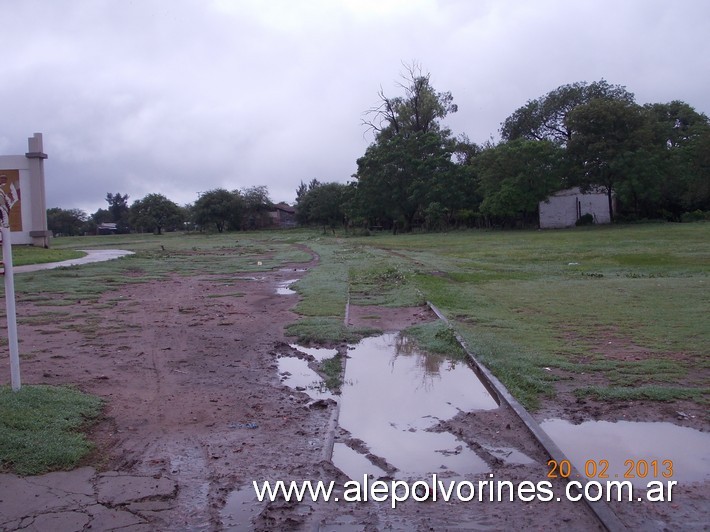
<point x="617" y="442"/>
<point x="319" y="353"/>
<point x="354" y="464"/>
<point x="283" y="289"/>
<point x="239" y="510"/>
<point x="393" y="393"/>
<point x="509" y="455"/>
<point x="301" y="377"/>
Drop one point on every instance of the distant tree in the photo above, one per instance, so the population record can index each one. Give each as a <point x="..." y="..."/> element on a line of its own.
<point x="607" y="144"/>
<point x="513" y="177"/>
<point x="546" y="117"/>
<point x="188" y="215"/>
<point x="678" y="140"/>
<point x="257" y="205"/>
<point x="118" y="208"/>
<point x="398" y="177"/>
<point x="155" y="212"/>
<point x="418" y="111"/>
<point x="66" y="222"/>
<point x="304" y="188"/>
<point x="101" y="216"/>
<point x="220" y="207"/>
<point x="402" y="171"/>
<point x="323" y="204"/>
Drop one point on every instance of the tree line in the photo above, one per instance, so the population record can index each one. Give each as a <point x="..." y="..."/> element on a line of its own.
<point x="218" y="209"/>
<point x="652" y="161"/>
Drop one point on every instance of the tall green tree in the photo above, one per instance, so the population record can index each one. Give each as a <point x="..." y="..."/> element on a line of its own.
<point x="678" y="139"/>
<point x="220" y="207"/>
<point x="118" y="208"/>
<point x="154" y="213"/>
<point x="66" y="222"/>
<point x="322" y="204"/>
<point x="607" y="145"/>
<point x="256" y="205"/>
<point x="412" y="151"/>
<point x="513" y="177"/>
<point x="545" y="118"/>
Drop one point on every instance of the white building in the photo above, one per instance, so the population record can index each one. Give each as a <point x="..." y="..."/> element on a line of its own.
<point x="28" y="217"/>
<point x="565" y="207"/>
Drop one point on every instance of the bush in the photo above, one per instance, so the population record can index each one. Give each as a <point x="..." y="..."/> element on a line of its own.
<point x="585" y="219"/>
<point x="695" y="216"/>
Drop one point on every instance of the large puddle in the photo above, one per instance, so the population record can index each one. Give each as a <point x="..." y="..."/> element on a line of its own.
<point x="634" y="451"/>
<point x="393" y="393"/>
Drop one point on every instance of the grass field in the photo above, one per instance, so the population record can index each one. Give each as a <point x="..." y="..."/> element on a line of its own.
<point x="523" y="300"/>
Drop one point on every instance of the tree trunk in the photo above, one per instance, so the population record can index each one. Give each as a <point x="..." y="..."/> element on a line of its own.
<point x="611" y="205"/>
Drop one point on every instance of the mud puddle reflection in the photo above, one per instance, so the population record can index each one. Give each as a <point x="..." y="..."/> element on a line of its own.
<point x="393" y="393"/>
<point x="283" y="288"/>
<point x="240" y="509"/>
<point x="296" y="374"/>
<point x="631" y="448"/>
<point x="319" y="353"/>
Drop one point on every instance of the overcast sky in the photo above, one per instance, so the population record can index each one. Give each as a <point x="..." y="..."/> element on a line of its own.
<point x="179" y="97"/>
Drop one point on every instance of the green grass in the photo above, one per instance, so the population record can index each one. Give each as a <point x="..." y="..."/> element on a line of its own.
<point x="22" y="255"/>
<point x="650" y="393"/>
<point x="332" y="369"/>
<point x="524" y="301"/>
<point x="436" y="337"/>
<point x="527" y="300"/>
<point x="327" y="330"/>
<point x="40" y="428"/>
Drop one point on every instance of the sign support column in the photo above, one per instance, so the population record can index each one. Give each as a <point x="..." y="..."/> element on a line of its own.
<point x="10" y="306"/>
<point x="7" y="200"/>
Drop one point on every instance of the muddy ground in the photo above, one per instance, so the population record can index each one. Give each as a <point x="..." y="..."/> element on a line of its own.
<point x="188" y="369"/>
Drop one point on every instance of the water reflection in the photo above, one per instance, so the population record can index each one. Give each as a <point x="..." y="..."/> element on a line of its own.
<point x="623" y="444"/>
<point x="319" y="353"/>
<point x="296" y="374"/>
<point x="393" y="393"/>
<point x="239" y="510"/>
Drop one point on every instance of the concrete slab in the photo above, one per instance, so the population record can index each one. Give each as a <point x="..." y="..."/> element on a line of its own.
<point x="83" y="499"/>
<point x="115" y="488"/>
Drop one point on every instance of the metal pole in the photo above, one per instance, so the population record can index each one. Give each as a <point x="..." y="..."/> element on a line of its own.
<point x="10" y="305"/>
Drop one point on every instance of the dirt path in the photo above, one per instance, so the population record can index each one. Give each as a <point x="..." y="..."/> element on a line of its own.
<point x="188" y="367"/>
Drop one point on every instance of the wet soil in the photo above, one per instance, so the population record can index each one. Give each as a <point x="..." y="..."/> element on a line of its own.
<point x="189" y="370"/>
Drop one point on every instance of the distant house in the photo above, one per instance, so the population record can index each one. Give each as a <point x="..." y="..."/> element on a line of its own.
<point x="565" y="207"/>
<point x="106" y="229"/>
<point x="283" y="215"/>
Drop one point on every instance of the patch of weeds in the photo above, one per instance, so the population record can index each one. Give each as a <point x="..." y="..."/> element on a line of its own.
<point x="327" y="330"/>
<point x="57" y="302"/>
<point x="332" y="369"/>
<point x="46" y="318"/>
<point x="649" y="393"/>
<point x="40" y="428"/>
<point x="382" y="284"/>
<point x="436" y="337"/>
<point x="230" y="294"/>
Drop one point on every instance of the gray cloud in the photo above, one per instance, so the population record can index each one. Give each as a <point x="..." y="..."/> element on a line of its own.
<point x="182" y="97"/>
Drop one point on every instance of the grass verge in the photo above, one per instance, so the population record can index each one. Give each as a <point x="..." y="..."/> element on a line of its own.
<point x="40" y="428"/>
